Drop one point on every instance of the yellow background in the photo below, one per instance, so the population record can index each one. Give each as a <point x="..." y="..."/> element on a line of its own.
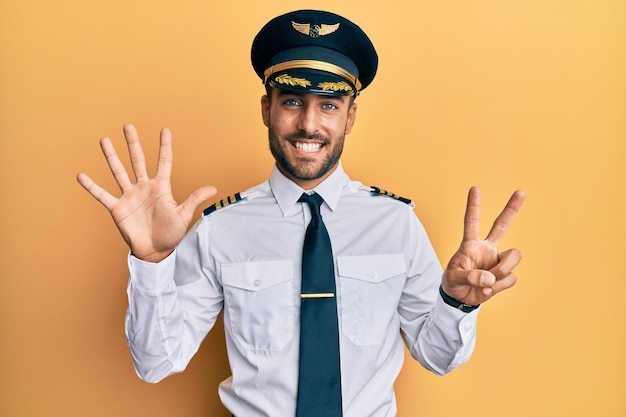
<point x="501" y="94"/>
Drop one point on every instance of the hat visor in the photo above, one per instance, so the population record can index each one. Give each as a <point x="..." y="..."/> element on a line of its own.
<point x="311" y="81"/>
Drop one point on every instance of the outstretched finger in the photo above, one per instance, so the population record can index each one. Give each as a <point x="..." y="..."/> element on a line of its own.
<point x="504" y="220"/>
<point x="115" y="165"/>
<point x="137" y="158"/>
<point x="99" y="193"/>
<point x="166" y="156"/>
<point x="472" y="215"/>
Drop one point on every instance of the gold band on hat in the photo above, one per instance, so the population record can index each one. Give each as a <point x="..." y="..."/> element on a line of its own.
<point x="312" y="64"/>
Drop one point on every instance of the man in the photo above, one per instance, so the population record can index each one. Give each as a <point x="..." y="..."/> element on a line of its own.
<point x="299" y="345"/>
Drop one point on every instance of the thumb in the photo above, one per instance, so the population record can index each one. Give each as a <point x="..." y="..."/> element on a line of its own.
<point x="196" y="198"/>
<point x="458" y="280"/>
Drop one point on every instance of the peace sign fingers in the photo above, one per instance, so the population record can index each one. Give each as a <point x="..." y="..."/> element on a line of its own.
<point x="504" y="220"/>
<point x="472" y="216"/>
<point x="471" y="230"/>
<point x="477" y="270"/>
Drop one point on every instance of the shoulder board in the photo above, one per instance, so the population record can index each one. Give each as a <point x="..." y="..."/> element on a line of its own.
<point x="378" y="191"/>
<point x="222" y="203"/>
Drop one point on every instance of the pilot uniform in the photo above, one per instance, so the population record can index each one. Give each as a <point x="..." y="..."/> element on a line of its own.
<point x="244" y="256"/>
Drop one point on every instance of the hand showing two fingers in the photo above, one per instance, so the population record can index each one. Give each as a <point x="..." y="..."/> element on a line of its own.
<point x="478" y="271"/>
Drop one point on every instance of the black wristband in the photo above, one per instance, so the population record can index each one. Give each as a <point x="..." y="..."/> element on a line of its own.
<point x="456" y="303"/>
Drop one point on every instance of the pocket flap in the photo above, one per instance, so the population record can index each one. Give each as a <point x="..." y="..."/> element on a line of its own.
<point x="371" y="268"/>
<point x="256" y="276"/>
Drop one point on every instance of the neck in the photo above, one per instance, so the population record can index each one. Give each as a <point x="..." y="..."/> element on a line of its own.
<point x="308" y="184"/>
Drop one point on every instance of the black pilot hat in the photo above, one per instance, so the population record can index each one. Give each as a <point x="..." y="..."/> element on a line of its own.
<point x="314" y="52"/>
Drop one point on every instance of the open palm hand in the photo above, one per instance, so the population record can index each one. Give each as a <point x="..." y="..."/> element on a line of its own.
<point x="146" y="214"/>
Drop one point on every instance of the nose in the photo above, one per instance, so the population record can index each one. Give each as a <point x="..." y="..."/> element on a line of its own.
<point x="309" y="120"/>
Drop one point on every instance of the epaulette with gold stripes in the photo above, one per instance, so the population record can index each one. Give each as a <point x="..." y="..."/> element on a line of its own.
<point x="222" y="203"/>
<point x="378" y="191"/>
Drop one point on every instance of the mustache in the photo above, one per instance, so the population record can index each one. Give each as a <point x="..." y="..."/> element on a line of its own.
<point x="304" y="136"/>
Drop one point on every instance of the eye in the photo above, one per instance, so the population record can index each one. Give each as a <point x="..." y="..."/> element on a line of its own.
<point x="291" y="102"/>
<point x="329" y="106"/>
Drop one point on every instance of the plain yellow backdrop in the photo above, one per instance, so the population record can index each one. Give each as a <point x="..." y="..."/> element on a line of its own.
<point x="501" y="94"/>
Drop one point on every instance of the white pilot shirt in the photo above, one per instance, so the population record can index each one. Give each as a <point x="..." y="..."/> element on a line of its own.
<point x="245" y="258"/>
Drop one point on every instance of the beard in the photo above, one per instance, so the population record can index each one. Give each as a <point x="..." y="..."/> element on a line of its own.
<point x="304" y="168"/>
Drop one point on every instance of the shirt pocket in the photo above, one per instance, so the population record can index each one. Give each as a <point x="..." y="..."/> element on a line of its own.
<point x="371" y="287"/>
<point x="258" y="298"/>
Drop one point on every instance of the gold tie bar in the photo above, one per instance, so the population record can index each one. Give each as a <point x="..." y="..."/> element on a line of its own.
<point x="318" y="295"/>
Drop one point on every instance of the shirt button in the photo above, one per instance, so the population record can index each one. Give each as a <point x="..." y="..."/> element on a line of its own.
<point x="256" y="283"/>
<point x="375" y="275"/>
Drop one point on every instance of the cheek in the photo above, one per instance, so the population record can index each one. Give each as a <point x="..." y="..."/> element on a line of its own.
<point x="340" y="127"/>
<point x="282" y="123"/>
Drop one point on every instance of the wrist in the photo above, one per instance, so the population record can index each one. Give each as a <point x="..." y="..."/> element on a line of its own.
<point x="154" y="257"/>
<point x="459" y="305"/>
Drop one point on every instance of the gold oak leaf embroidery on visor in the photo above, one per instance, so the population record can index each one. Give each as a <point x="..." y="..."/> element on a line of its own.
<point x="339" y="86"/>
<point x="292" y="81"/>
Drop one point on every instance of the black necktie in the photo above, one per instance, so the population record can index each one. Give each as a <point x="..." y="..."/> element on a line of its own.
<point x="319" y="384"/>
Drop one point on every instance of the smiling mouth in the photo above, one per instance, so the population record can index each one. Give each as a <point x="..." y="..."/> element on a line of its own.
<point x="308" y="147"/>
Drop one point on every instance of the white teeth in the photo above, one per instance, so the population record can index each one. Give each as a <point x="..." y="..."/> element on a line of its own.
<point x="308" y="146"/>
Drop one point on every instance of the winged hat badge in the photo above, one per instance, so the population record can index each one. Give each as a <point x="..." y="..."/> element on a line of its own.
<point x="315" y="31"/>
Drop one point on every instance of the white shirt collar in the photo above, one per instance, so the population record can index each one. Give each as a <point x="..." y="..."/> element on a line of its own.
<point x="288" y="192"/>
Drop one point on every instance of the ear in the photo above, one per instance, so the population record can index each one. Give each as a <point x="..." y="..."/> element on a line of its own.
<point x="351" y="118"/>
<point x="265" y="110"/>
